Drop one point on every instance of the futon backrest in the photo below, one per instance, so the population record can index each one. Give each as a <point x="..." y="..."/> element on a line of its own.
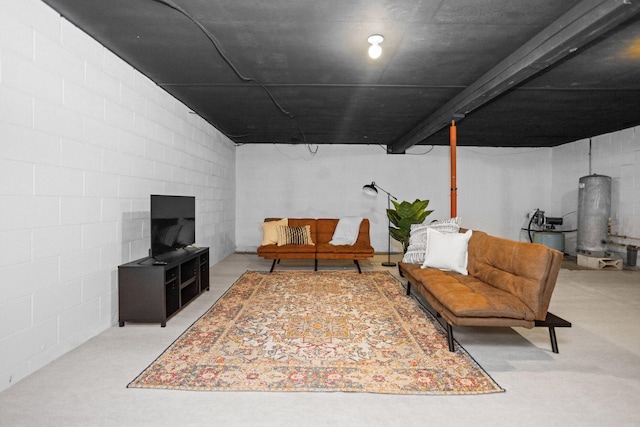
<point x="526" y="270"/>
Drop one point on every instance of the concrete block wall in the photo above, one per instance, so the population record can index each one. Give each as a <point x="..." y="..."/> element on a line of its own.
<point x="497" y="187"/>
<point x="615" y="154"/>
<point x="85" y="140"/>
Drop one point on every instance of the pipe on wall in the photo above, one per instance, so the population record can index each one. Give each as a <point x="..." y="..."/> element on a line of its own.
<point x="454" y="184"/>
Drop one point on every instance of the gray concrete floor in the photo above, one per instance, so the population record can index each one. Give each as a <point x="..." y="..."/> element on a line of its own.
<point x="593" y="381"/>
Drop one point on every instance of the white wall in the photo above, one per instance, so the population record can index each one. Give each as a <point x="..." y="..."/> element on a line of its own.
<point x="85" y="140"/>
<point x="497" y="187"/>
<point x="616" y="155"/>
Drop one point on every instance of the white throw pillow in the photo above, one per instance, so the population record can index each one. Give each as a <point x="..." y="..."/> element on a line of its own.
<point x="270" y="231"/>
<point x="447" y="251"/>
<point x="418" y="238"/>
<point x="415" y="253"/>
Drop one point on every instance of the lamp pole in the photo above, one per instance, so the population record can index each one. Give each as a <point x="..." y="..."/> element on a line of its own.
<point x="372" y="189"/>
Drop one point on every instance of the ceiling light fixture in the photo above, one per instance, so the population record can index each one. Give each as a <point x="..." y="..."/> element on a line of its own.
<point x="375" y="50"/>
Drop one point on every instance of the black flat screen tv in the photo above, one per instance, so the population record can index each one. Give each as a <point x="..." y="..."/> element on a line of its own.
<point x="173" y="223"/>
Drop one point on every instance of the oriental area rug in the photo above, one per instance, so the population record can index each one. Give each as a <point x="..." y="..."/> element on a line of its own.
<point x="308" y="331"/>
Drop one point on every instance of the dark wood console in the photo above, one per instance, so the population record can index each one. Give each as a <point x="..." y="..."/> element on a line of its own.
<point x="152" y="292"/>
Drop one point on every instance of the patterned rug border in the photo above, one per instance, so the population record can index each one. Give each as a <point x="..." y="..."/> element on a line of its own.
<point x="460" y="351"/>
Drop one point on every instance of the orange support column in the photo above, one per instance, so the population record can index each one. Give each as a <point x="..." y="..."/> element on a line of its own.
<point x="454" y="185"/>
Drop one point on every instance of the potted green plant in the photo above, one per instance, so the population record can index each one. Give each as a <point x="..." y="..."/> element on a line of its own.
<point x="403" y="215"/>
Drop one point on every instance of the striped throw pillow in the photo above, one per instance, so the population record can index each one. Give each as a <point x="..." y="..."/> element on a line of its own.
<point x="294" y="235"/>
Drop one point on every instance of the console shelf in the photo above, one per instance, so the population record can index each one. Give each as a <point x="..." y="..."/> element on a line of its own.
<point x="151" y="293"/>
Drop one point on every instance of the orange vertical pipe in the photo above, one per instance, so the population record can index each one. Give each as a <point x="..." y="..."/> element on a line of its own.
<point x="454" y="186"/>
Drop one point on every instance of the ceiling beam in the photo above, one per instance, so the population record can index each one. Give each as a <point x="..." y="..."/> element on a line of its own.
<point x="582" y="24"/>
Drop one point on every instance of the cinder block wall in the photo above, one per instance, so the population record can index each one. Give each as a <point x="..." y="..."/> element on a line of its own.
<point x="85" y="140"/>
<point x="497" y="187"/>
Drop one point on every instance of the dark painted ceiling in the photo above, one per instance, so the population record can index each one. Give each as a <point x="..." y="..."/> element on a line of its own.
<point x="511" y="73"/>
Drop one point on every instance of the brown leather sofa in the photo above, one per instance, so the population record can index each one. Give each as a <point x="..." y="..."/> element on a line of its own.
<point x="509" y="284"/>
<point x="321" y="234"/>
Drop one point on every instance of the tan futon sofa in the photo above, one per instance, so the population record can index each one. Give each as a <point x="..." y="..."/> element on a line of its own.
<point x="509" y="284"/>
<point x="321" y="233"/>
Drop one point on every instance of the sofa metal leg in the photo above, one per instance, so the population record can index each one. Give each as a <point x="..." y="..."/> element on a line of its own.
<point x="357" y="265"/>
<point x="450" y="337"/>
<point x="554" y="341"/>
<point x="273" y="265"/>
<point x="552" y="322"/>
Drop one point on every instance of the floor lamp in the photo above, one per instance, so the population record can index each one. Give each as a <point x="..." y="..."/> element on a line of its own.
<point x="372" y="190"/>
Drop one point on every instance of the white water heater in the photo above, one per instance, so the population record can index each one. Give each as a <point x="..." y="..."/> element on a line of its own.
<point x="594" y="210"/>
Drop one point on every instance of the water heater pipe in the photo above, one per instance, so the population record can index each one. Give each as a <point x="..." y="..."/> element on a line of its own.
<point x="618" y="235"/>
<point x="454" y="186"/>
<point x="589" y="156"/>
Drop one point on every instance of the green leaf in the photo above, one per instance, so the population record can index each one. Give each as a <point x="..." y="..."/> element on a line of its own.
<point x="403" y="215"/>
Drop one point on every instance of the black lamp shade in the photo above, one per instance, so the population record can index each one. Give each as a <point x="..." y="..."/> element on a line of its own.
<point x="370" y="189"/>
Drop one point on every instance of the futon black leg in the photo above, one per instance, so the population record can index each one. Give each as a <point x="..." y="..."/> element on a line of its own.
<point x="273" y="265"/>
<point x="315" y="265"/>
<point x="552" y="322"/>
<point x="450" y="337"/>
<point x="554" y="341"/>
<point x="357" y="265"/>
<point x="408" y="288"/>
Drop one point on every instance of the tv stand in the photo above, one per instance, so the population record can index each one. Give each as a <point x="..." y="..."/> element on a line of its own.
<point x="151" y="292"/>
